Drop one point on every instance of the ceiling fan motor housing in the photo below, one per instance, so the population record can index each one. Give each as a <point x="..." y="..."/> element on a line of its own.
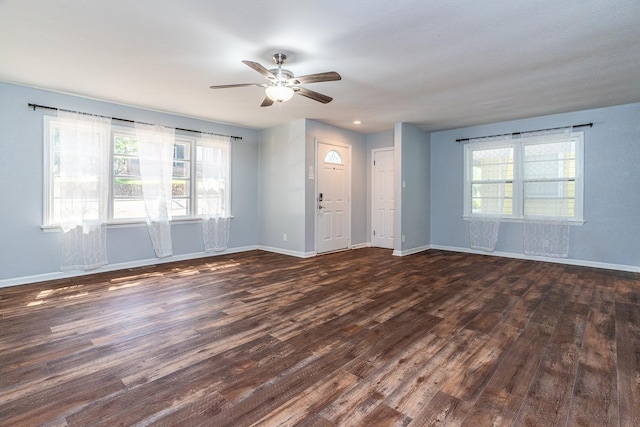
<point x="281" y="75"/>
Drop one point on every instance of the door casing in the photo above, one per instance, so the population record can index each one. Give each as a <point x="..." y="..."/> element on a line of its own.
<point x="347" y="165"/>
<point x="374" y="183"/>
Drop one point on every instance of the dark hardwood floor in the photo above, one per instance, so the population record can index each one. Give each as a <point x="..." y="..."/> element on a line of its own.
<point x="352" y="338"/>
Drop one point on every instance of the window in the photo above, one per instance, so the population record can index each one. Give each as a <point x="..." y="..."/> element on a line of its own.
<point x="514" y="179"/>
<point x="492" y="181"/>
<point x="126" y="201"/>
<point x="549" y="179"/>
<point x="333" y="157"/>
<point x="212" y="178"/>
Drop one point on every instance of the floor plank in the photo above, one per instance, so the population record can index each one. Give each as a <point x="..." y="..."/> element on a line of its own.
<point x="549" y="397"/>
<point x="628" y="352"/>
<point x="595" y="396"/>
<point x="352" y="338"/>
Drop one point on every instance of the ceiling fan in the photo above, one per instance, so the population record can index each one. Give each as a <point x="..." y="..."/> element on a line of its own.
<point x="281" y="84"/>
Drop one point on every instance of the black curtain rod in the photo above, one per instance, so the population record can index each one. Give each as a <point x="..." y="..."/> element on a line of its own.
<point x="518" y="133"/>
<point x="44" y="107"/>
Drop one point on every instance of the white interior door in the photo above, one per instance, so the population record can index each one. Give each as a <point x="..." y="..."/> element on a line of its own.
<point x="333" y="197"/>
<point x="382" y="203"/>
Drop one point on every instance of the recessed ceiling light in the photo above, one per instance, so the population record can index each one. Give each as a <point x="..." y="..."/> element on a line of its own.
<point x="357" y="122"/>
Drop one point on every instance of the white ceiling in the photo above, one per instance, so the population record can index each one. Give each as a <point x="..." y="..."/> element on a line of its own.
<point x="436" y="64"/>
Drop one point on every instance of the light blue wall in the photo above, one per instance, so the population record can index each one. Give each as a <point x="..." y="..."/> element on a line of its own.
<point x="26" y="250"/>
<point x="413" y="187"/>
<point x="357" y="141"/>
<point x="272" y="195"/>
<point x="611" y="233"/>
<point x="287" y="195"/>
<point x="282" y="187"/>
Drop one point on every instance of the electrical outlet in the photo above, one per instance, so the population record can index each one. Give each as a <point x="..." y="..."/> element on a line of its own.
<point x="284" y="237"/>
<point x="403" y="238"/>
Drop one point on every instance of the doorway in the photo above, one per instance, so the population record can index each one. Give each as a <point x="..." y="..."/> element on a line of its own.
<point x="333" y="197"/>
<point x="383" y="199"/>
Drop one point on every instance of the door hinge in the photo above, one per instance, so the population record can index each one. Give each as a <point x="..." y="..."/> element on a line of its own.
<point x="374" y="163"/>
<point x="374" y="232"/>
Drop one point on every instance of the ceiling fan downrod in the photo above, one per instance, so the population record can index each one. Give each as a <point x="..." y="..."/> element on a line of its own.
<point x="279" y="59"/>
<point x="280" y="73"/>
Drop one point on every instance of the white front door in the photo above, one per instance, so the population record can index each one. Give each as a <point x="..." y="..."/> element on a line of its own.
<point x="333" y="197"/>
<point x="382" y="204"/>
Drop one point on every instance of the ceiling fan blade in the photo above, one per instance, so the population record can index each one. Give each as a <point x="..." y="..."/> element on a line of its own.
<point x="237" y="85"/>
<point x="313" y="95"/>
<point x="329" y="76"/>
<point x="259" y="68"/>
<point x="267" y="102"/>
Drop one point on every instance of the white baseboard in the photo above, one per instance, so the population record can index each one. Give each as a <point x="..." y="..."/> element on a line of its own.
<point x="57" y="275"/>
<point x="306" y="254"/>
<point x="567" y="261"/>
<point x="120" y="266"/>
<point x="361" y="245"/>
<point x="287" y="252"/>
<point x="154" y="261"/>
<point x="411" y="251"/>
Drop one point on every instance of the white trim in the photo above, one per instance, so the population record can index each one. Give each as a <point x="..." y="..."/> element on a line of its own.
<point x="362" y="245"/>
<point x="397" y="182"/>
<point x="46" y="165"/>
<point x="468" y="170"/>
<point x="120" y="266"/>
<point x="130" y="224"/>
<point x="191" y="140"/>
<point x="349" y="165"/>
<point x="25" y="280"/>
<point x="567" y="261"/>
<point x="287" y="252"/>
<point x="521" y="220"/>
<point x="517" y="144"/>
<point x="412" y="251"/>
<point x="374" y="151"/>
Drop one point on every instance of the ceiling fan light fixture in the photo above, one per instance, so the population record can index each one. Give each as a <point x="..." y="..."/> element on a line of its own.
<point x="279" y="93"/>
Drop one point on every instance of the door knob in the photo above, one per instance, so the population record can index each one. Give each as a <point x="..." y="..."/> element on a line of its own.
<point x="320" y="207"/>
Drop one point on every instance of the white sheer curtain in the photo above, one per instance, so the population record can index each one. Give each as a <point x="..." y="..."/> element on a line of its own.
<point x="549" y="191"/>
<point x="483" y="233"/>
<point x="213" y="186"/>
<point x="155" y="148"/>
<point x="546" y="238"/>
<point x="492" y="169"/>
<point x="84" y="142"/>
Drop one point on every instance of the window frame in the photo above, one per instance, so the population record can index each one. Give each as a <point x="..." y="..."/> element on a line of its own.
<point x="519" y="180"/>
<point x="196" y="166"/>
<point x="178" y="140"/>
<point x="192" y="142"/>
<point x="468" y="177"/>
<point x="333" y="157"/>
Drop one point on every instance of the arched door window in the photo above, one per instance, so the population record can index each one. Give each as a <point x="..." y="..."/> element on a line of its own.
<point x="333" y="157"/>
